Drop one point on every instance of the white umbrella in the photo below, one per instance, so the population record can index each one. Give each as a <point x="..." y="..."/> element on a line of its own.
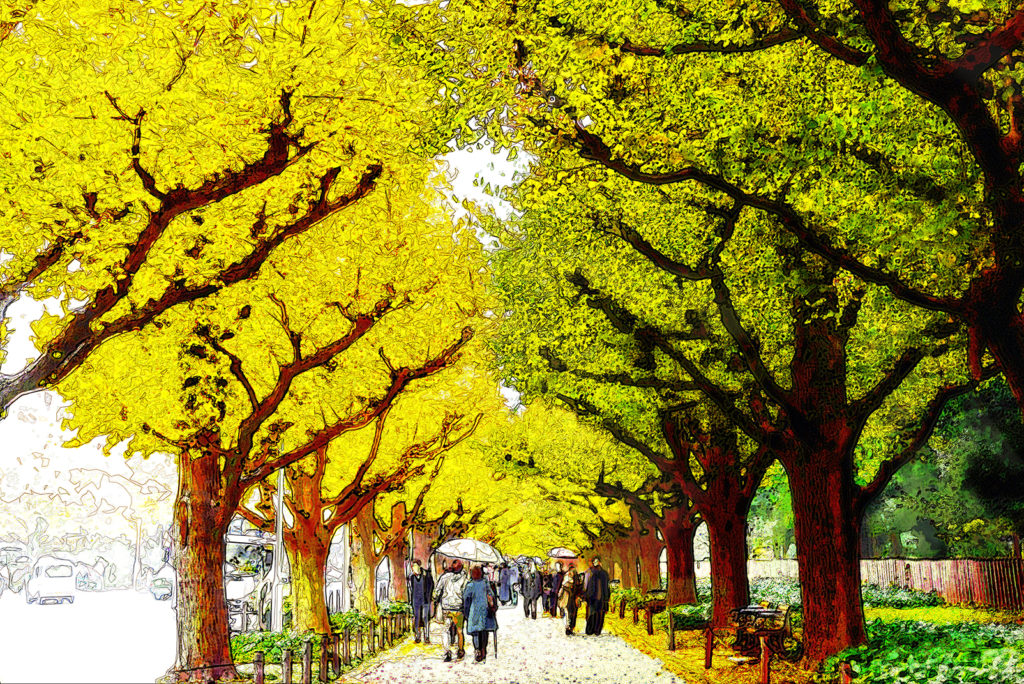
<point x="472" y="550"/>
<point x="561" y="552"/>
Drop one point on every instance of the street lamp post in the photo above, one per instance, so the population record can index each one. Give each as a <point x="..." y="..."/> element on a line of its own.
<point x="277" y="597"/>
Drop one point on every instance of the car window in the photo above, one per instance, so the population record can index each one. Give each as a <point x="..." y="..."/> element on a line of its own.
<point x="58" y="571"/>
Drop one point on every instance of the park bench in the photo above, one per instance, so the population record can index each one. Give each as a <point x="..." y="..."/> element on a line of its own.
<point x="758" y="634"/>
<point x="762" y="623"/>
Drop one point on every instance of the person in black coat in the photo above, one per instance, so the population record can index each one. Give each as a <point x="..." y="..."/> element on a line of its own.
<point x="597" y="595"/>
<point x="421" y="587"/>
<point x="531" y="591"/>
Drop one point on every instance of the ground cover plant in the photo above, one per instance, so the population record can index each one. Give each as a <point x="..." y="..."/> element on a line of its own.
<point x="906" y="651"/>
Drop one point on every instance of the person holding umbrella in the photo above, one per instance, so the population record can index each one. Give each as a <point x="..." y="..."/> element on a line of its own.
<point x="449" y="591"/>
<point x="480" y="608"/>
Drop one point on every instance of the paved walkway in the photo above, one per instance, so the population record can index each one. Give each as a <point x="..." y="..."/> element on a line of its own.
<point x="529" y="652"/>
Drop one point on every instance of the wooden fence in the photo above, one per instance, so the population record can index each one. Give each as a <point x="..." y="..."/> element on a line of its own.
<point x="989" y="582"/>
<point x="337" y="650"/>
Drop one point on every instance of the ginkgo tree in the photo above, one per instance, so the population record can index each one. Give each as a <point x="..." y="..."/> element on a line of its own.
<point x="884" y="137"/>
<point x="341" y="482"/>
<point x="156" y="154"/>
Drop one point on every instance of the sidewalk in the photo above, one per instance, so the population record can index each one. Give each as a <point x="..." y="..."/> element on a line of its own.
<point x="529" y="652"/>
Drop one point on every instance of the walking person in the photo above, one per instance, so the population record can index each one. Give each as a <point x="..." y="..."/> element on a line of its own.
<point x="420" y="587"/>
<point x="597" y="595"/>
<point x="449" y="591"/>
<point x="513" y="581"/>
<point x="556" y="586"/>
<point x="569" y="598"/>
<point x="531" y="591"/>
<point x="504" y="584"/>
<point x="545" y="588"/>
<point x="480" y="608"/>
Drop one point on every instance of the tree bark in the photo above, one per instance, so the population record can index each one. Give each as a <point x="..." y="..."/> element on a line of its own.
<point x="308" y="557"/>
<point x="730" y="587"/>
<point x="678" y="530"/>
<point x="364" y="562"/>
<point x="827" y="542"/>
<point x="396" y="557"/>
<point x="202" y="513"/>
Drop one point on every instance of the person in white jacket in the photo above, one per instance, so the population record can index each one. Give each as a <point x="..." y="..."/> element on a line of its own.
<point x="449" y="592"/>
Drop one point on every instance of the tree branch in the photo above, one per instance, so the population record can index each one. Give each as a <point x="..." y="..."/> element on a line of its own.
<point x="892" y="379"/>
<point x="830" y="44"/>
<point x="1001" y="42"/>
<point x="917" y="439"/>
<point x="749" y="348"/>
<point x="236" y="366"/>
<point x="400" y="379"/>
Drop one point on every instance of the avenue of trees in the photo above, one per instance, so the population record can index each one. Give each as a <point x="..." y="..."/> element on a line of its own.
<point x="763" y="253"/>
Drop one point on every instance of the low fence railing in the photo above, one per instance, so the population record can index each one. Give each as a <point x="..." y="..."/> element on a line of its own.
<point x="337" y="651"/>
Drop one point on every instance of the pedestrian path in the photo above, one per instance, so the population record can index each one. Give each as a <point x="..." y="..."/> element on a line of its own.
<point x="529" y="652"/>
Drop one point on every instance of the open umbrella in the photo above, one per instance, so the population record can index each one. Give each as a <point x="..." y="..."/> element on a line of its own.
<point x="561" y="552"/>
<point x="472" y="550"/>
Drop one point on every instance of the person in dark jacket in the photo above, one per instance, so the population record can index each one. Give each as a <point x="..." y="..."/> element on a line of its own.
<point x="556" y="585"/>
<point x="479" y="608"/>
<point x="420" y="589"/>
<point x="597" y="595"/>
<point x="530" y="581"/>
<point x="545" y="589"/>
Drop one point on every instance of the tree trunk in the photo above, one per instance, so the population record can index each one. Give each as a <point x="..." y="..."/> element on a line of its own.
<point x="730" y="587"/>
<point x="364" y="563"/>
<point x="648" y="552"/>
<point x="201" y="517"/>
<point x="678" y="530"/>
<point x="827" y="541"/>
<point x="396" y="558"/>
<point x="307" y="554"/>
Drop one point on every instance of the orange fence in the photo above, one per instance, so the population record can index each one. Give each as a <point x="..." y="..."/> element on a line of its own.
<point x="992" y="582"/>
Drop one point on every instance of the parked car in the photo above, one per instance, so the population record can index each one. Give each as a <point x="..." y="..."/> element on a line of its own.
<point x="161" y="589"/>
<point x="52" y="581"/>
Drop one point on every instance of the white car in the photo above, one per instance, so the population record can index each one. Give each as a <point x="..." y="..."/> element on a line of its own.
<point x="52" y="581"/>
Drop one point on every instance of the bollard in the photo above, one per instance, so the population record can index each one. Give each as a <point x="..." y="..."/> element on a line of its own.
<point x="359" y="642"/>
<point x="649" y="620"/>
<point x="325" y="658"/>
<point x="846" y="673"/>
<point x="338" y="646"/>
<point x="766" y="672"/>
<point x="286" y="666"/>
<point x="259" y="676"/>
<point x="373" y="638"/>
<point x="307" y="663"/>
<point x="709" y="646"/>
<point x="622" y="609"/>
<point x="636" y="616"/>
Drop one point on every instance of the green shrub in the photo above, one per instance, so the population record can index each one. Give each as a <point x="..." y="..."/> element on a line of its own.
<point x="895" y="597"/>
<point x="776" y="590"/>
<point x="397" y="608"/>
<point x="694" y="616"/>
<point x="633" y="597"/>
<point x="244" y="646"/>
<point x="352" y="619"/>
<point x="907" y="652"/>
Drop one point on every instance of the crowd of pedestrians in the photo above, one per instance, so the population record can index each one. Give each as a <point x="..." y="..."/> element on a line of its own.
<point x="468" y="603"/>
